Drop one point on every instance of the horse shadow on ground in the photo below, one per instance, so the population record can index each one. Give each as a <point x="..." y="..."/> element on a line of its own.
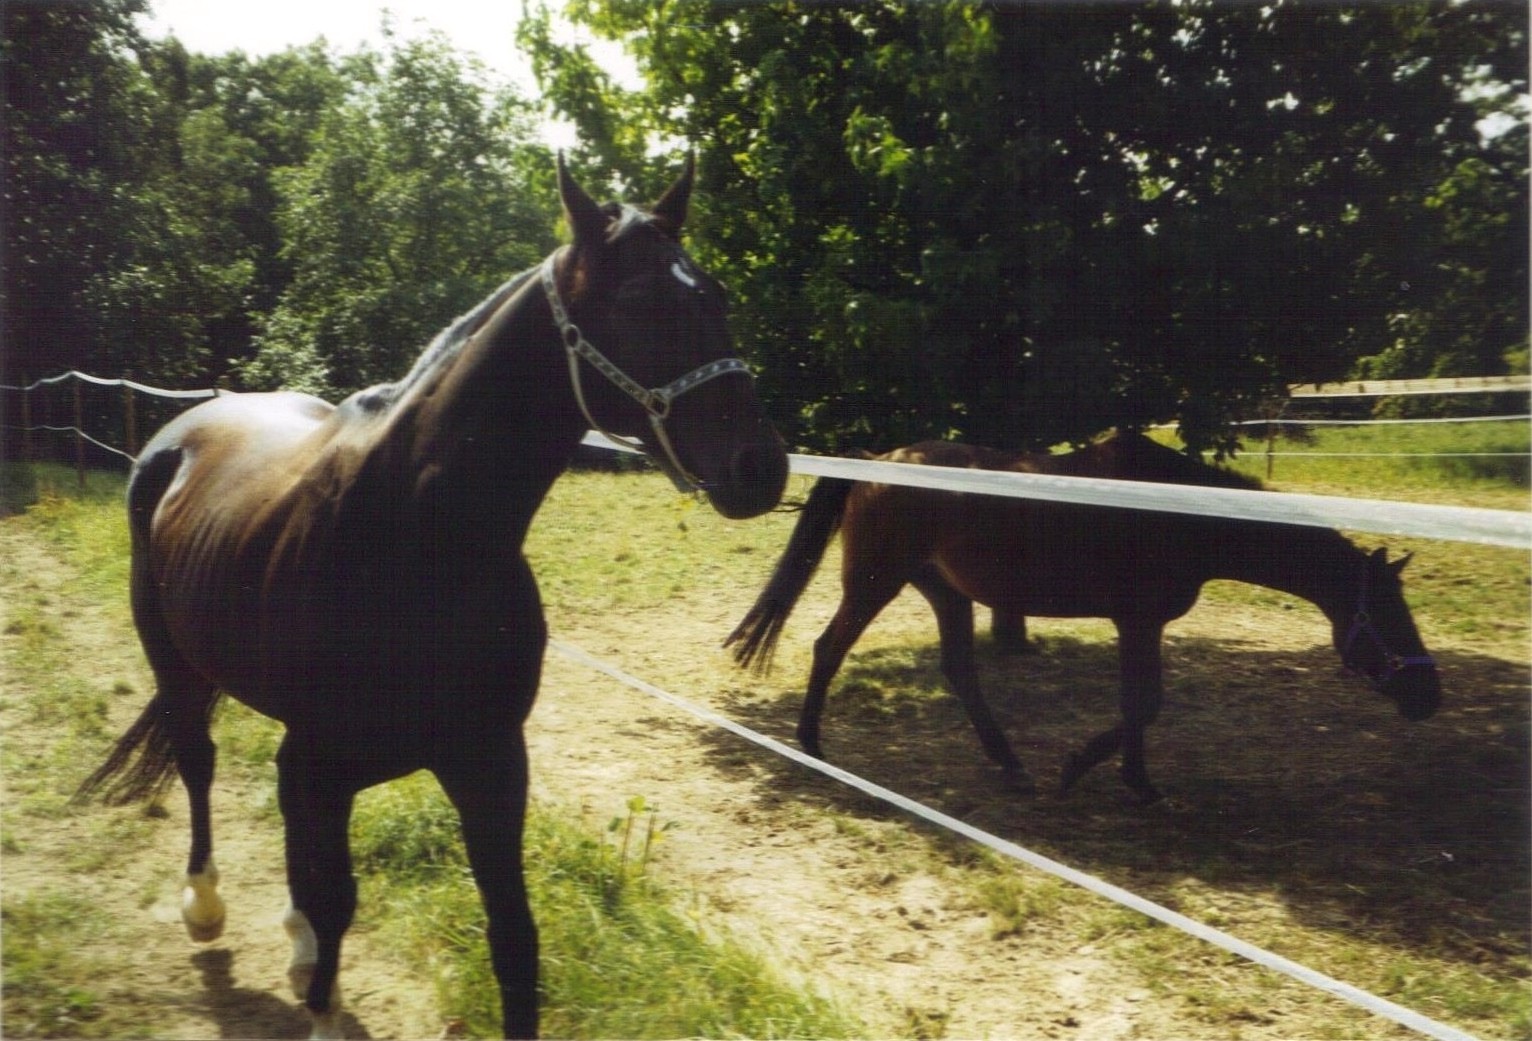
<point x="243" y="1012"/>
<point x="1284" y="776"/>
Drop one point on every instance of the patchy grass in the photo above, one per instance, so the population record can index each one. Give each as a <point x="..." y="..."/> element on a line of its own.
<point x="620" y="956"/>
<point x="56" y="980"/>
<point x="1417" y="462"/>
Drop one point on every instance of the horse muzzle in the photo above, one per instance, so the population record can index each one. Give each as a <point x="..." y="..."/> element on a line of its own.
<point x="753" y="482"/>
<point x="1416" y="689"/>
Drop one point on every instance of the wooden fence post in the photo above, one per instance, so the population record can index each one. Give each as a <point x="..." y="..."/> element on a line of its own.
<point x="79" y="434"/>
<point x="130" y="419"/>
<point x="1271" y="445"/>
<point x="26" y="425"/>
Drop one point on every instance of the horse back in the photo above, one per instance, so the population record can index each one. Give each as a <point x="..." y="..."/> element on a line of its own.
<point x="1039" y="557"/>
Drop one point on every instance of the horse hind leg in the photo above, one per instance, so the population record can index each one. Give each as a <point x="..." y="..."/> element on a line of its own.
<point x="171" y="736"/>
<point x="861" y="602"/>
<point x="173" y="732"/>
<point x="190" y="704"/>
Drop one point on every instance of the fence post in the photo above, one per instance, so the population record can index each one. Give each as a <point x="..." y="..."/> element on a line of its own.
<point x="26" y="425"/>
<point x="79" y="434"/>
<point x="129" y="418"/>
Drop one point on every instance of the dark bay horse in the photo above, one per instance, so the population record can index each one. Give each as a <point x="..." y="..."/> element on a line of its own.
<point x="356" y="571"/>
<point x="1033" y="557"/>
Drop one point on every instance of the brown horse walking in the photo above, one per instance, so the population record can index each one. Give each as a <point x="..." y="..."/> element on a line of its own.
<point x="1032" y="557"/>
<point x="356" y="571"/>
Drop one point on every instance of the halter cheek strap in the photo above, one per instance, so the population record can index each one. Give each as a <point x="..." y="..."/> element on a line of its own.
<point x="1361" y="624"/>
<point x="655" y="401"/>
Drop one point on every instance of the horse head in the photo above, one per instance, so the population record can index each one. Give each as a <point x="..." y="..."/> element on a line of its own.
<point x="1378" y="639"/>
<point x="633" y="306"/>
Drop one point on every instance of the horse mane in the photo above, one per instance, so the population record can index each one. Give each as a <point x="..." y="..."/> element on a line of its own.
<point x="448" y="343"/>
<point x="443" y="348"/>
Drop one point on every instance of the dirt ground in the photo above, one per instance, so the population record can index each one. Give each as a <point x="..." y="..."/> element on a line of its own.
<point x="839" y="890"/>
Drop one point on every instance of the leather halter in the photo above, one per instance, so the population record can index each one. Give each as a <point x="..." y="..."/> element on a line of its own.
<point x="1361" y="624"/>
<point x="654" y="401"/>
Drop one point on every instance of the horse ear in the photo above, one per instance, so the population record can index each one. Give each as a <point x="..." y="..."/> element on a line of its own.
<point x="1397" y="566"/>
<point x="672" y="205"/>
<point x="581" y="212"/>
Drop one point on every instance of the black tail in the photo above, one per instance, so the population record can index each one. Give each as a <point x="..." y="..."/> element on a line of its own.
<point x="757" y="634"/>
<point x="142" y="764"/>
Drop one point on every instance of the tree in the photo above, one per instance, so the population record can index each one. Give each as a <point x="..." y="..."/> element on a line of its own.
<point x="76" y="112"/>
<point x="1023" y="223"/>
<point x="420" y="194"/>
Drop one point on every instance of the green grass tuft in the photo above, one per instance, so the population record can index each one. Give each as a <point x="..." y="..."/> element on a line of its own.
<point x="621" y="956"/>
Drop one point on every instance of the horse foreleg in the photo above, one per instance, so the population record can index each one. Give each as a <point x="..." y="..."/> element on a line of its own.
<point x="316" y="810"/>
<point x="1096" y="750"/>
<point x="491" y="799"/>
<point x="954" y="620"/>
<point x="1142" y="672"/>
<point x="1142" y="688"/>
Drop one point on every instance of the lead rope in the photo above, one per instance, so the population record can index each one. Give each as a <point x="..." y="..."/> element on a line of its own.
<point x="656" y="402"/>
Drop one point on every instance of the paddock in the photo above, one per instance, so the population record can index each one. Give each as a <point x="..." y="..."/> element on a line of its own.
<point x="1378" y="852"/>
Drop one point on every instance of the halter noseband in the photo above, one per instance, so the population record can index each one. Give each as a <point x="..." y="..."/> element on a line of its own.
<point x="1361" y="624"/>
<point x="656" y="402"/>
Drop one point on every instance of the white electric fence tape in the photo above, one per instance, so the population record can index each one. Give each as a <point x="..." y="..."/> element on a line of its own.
<point x="1345" y="991"/>
<point x="100" y="382"/>
<point x="1378" y="516"/>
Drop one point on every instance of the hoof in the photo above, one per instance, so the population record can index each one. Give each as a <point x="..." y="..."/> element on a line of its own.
<point x="1016" y="779"/>
<point x="327" y="1026"/>
<point x="202" y="909"/>
<point x="1074" y="769"/>
<point x="204" y="932"/>
<point x="1146" y="793"/>
<point x="300" y="976"/>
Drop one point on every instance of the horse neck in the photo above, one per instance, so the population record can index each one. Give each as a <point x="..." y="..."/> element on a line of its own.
<point x="1317" y="564"/>
<point x="489" y="429"/>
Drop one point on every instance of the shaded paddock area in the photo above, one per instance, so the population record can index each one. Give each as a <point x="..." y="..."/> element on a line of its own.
<point x="1287" y="779"/>
<point x="1286" y="776"/>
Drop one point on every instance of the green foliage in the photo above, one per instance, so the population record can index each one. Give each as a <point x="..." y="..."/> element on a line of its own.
<point x="416" y="200"/>
<point x="1017" y="223"/>
<point x="1025" y="223"/>
<point x="302" y="218"/>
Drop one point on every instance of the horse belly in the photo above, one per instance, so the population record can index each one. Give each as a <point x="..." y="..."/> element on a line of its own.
<point x="1008" y="587"/>
<point x="1014" y="567"/>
